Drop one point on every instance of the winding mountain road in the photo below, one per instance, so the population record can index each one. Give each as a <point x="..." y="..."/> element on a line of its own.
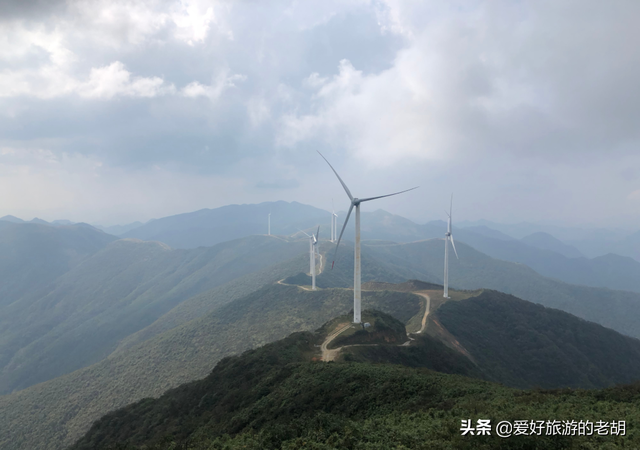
<point x="426" y="311"/>
<point x="330" y="355"/>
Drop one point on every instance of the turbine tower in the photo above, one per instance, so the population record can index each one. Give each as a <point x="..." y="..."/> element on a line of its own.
<point x="355" y="202"/>
<point x="313" y="242"/>
<point x="448" y="237"/>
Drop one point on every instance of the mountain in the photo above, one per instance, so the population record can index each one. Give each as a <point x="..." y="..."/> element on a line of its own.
<point x="69" y="404"/>
<point x="596" y="272"/>
<point x="186" y="342"/>
<point x="119" y="230"/>
<point x="116" y="292"/>
<point x="545" y="241"/>
<point x="280" y="396"/>
<point x="617" y="310"/>
<point x="211" y="226"/>
<point x="524" y="345"/>
<point x="540" y="251"/>
<point x="33" y="255"/>
<point x="13" y="219"/>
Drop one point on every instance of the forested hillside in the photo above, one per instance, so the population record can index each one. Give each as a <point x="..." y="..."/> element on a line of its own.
<point x="33" y="255"/>
<point x="273" y="398"/>
<point x="114" y="293"/>
<point x="69" y="404"/>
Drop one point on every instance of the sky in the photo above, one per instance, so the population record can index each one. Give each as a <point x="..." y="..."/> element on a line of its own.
<point x="120" y="111"/>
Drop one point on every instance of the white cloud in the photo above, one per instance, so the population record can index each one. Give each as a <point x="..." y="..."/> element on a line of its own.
<point x="213" y="91"/>
<point x="103" y="83"/>
<point x="113" y="80"/>
<point x="193" y="21"/>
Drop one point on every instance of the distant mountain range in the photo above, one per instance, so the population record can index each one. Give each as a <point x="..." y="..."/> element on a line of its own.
<point x="83" y="314"/>
<point x="186" y="341"/>
<point x="131" y="318"/>
<point x="211" y="226"/>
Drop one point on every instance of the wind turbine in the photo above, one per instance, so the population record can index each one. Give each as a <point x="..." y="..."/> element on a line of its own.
<point x="334" y="223"/>
<point x="355" y="202"/>
<point x="313" y="242"/>
<point x="448" y="237"/>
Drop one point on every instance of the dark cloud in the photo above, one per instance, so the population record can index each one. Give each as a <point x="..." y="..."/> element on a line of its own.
<point x="29" y="9"/>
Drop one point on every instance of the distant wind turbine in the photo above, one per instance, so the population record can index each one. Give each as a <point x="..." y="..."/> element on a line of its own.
<point x="313" y="242"/>
<point x="334" y="223"/>
<point x="448" y="237"/>
<point x="355" y="202"/>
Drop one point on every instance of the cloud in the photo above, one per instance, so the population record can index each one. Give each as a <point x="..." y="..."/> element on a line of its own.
<point x="212" y="92"/>
<point x="499" y="94"/>
<point x="112" y="80"/>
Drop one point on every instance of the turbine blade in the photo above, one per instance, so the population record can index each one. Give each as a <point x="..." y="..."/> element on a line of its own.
<point x="388" y="195"/>
<point x="341" y="233"/>
<point x="318" y="234"/>
<point x="341" y="182"/>
<point x="454" y="246"/>
<point x="300" y="231"/>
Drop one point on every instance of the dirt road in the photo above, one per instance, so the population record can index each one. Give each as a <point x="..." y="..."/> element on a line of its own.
<point x="330" y="355"/>
<point x="426" y="311"/>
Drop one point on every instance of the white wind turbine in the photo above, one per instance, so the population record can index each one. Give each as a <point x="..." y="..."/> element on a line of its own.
<point x="313" y="242"/>
<point x="448" y="237"/>
<point x="355" y="202"/>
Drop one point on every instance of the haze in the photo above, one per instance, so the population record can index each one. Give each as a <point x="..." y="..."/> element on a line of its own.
<point x="112" y="112"/>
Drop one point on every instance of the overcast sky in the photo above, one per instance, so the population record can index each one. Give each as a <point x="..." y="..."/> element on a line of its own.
<point x="116" y="111"/>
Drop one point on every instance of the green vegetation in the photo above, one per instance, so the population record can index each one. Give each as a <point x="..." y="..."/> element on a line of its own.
<point x="114" y="293"/>
<point x="273" y="398"/>
<point x="617" y="310"/>
<point x="33" y="255"/>
<point x="184" y="343"/>
<point x="66" y="406"/>
<point x="424" y="351"/>
<point x="522" y="344"/>
<point x="382" y="329"/>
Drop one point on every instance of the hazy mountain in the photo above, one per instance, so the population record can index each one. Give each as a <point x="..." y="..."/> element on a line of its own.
<point x="540" y="251"/>
<point x="114" y="293"/>
<point x="545" y="241"/>
<point x="487" y="232"/>
<point x="13" y="219"/>
<point x="33" y="255"/>
<point x="119" y="230"/>
<point x="564" y="233"/>
<point x="211" y="226"/>
<point x="617" y="310"/>
<point x="68" y="222"/>
<point x="597" y="272"/>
